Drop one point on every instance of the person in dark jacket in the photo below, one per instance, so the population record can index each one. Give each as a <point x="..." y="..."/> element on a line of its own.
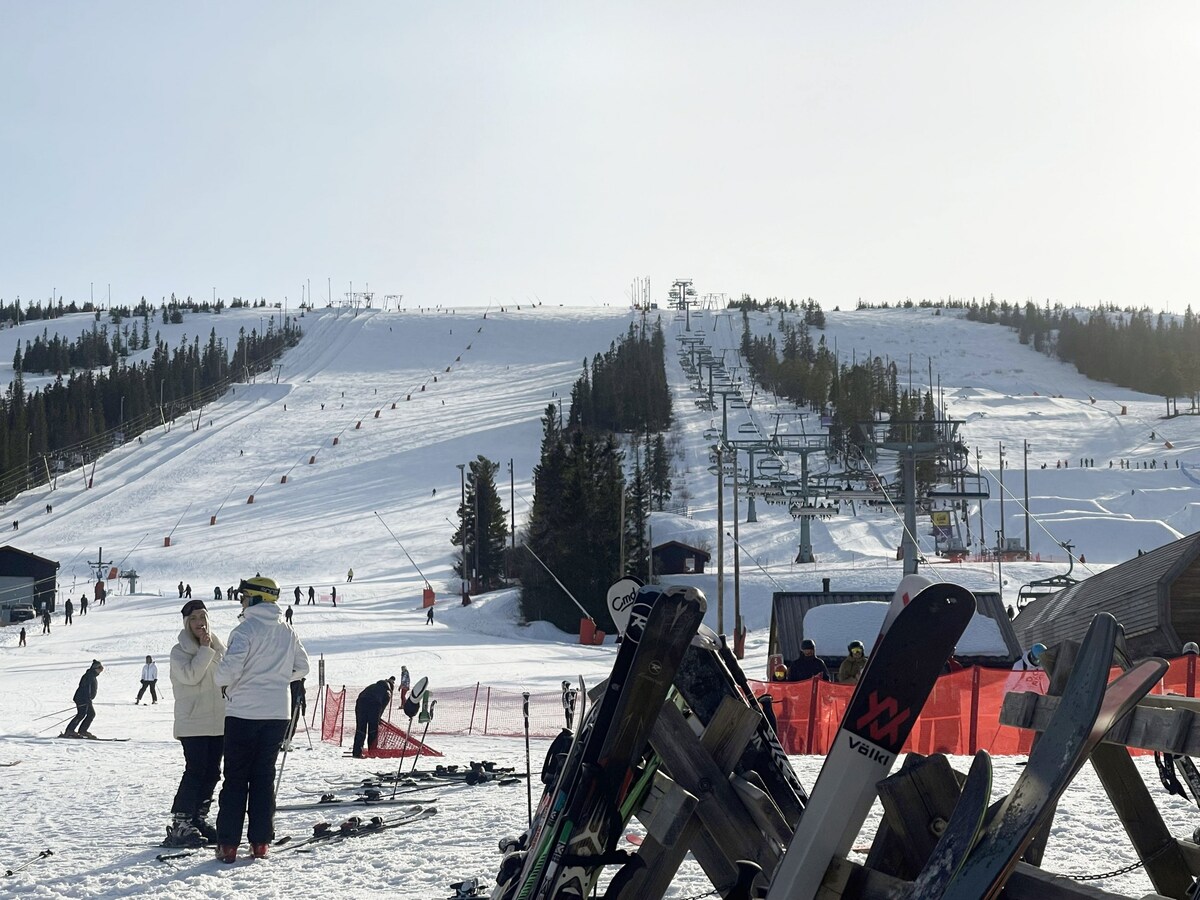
<point x="808" y="665"/>
<point x="85" y="712"/>
<point x="368" y="709"/>
<point x="68" y="611"/>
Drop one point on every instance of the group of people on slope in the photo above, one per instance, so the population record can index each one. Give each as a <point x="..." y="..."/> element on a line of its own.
<point x="233" y="702"/>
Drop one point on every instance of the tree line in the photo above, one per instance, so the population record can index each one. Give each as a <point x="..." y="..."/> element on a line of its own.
<point x="101" y="400"/>
<point x="590" y="507"/>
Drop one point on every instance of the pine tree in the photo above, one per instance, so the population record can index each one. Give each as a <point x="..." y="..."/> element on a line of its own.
<point x="485" y="523"/>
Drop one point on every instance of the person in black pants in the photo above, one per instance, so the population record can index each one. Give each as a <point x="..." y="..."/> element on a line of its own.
<point x="262" y="659"/>
<point x="85" y="712"/>
<point x="368" y="710"/>
<point x="199" y="727"/>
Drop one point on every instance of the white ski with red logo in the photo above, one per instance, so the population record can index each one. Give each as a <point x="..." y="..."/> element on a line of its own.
<point x="900" y="672"/>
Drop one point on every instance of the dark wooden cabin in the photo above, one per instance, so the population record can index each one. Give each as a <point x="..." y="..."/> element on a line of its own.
<point x="1155" y="597"/>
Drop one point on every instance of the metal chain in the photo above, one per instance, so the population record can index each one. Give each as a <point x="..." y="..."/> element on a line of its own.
<point x="701" y="896"/>
<point x="1133" y="866"/>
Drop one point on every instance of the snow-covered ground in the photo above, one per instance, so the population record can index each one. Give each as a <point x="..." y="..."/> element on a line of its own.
<point x="464" y="383"/>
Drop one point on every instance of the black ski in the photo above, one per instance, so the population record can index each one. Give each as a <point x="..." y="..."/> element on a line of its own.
<point x="358" y="801"/>
<point x="704" y="679"/>
<point x="1088" y="709"/>
<point x="662" y="624"/>
<point x="75" y="737"/>
<point x="374" y="825"/>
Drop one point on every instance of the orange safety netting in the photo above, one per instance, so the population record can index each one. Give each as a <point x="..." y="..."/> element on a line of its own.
<point x="394" y="742"/>
<point x="333" y="718"/>
<point x="962" y="714"/>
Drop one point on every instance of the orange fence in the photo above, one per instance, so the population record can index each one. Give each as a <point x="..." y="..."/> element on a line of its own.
<point x="961" y="716"/>
<point x="478" y="709"/>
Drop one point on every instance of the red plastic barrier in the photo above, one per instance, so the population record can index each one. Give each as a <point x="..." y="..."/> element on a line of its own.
<point x="962" y="714"/>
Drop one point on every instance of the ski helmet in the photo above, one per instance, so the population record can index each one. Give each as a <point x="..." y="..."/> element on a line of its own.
<point x="808" y="644"/>
<point x="856" y="645"/>
<point x="1035" y="653"/>
<point x="258" y="590"/>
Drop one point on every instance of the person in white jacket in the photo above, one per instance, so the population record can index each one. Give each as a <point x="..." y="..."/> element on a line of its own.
<point x="263" y="658"/>
<point x="199" y="727"/>
<point x="149" y="680"/>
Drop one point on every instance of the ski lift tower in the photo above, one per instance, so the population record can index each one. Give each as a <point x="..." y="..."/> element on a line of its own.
<point x="682" y="294"/>
<point x="925" y="439"/>
<point x="100" y="565"/>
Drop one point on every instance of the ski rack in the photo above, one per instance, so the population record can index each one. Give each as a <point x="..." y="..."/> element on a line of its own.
<point x="695" y="805"/>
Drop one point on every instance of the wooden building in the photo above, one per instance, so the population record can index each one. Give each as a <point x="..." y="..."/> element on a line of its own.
<point x="677" y="558"/>
<point x="788" y="609"/>
<point x="1155" y="597"/>
<point x="27" y="579"/>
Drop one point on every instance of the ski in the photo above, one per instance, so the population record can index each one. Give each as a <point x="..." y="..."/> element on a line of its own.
<point x="1085" y="714"/>
<point x="708" y="674"/>
<point x="962" y="831"/>
<point x="13" y="763"/>
<point x="374" y="825"/>
<point x="465" y="889"/>
<point x="900" y="672"/>
<point x="357" y="801"/>
<point x="661" y="625"/>
<point x="76" y="737"/>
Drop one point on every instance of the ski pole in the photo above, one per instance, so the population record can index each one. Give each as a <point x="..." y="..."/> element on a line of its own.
<point x="287" y="743"/>
<point x="28" y="862"/>
<point x="57" y="724"/>
<point x="400" y="768"/>
<point x="432" y="704"/>
<point x="528" y="780"/>
<point x="58" y="713"/>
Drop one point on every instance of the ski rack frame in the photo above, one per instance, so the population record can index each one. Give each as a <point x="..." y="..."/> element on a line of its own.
<point x="693" y="805"/>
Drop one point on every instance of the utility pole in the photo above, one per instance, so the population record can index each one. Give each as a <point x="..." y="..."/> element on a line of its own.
<point x="720" y="543"/>
<point x="1028" y="548"/>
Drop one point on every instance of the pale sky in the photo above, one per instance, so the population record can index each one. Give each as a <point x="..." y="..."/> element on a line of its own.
<point x="493" y="152"/>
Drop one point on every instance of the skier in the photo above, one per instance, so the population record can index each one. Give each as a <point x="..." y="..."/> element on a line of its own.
<point x="101" y="592"/>
<point x="569" y="696"/>
<point x="263" y="658"/>
<point x="287" y="614"/>
<point x="181" y="590"/>
<point x="405" y="684"/>
<point x="83" y="605"/>
<point x="46" y="620"/>
<point x="852" y="666"/>
<point x="68" y="611"/>
<point x="199" y="726"/>
<point x="149" y="680"/>
<point x="333" y="595"/>
<point x="296" y="593"/>
<point x="21" y="642"/>
<point x="85" y="712"/>
<point x="368" y="710"/>
<point x="808" y="664"/>
<point x="349" y="576"/>
<point x="217" y="592"/>
<point x="187" y="591"/>
<point x="312" y="596"/>
<point x="429" y="616"/>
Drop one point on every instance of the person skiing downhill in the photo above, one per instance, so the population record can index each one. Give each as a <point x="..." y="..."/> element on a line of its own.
<point x="263" y="658"/>
<point x="199" y="727"/>
<point x="85" y="712"/>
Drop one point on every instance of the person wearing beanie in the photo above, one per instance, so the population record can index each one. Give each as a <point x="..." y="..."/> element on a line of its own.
<point x="85" y="711"/>
<point x="852" y="666"/>
<point x="261" y="661"/>
<point x="807" y="665"/>
<point x="149" y="680"/>
<point x="199" y="727"/>
<point x="368" y="710"/>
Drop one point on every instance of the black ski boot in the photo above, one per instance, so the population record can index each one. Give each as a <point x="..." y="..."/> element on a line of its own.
<point x="201" y="824"/>
<point x="181" y="833"/>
